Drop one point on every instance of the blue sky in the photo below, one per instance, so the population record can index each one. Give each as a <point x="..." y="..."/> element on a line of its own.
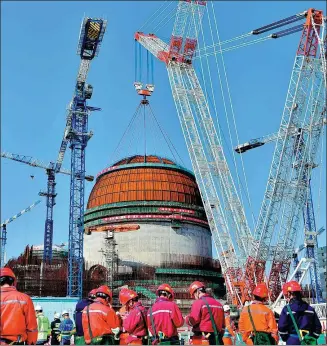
<point x="38" y="71"/>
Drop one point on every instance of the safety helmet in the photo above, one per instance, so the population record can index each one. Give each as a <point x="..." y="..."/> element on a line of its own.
<point x="261" y="291"/>
<point x="104" y="291"/>
<point x="65" y="312"/>
<point x="291" y="286"/>
<point x="57" y="315"/>
<point x="92" y="293"/>
<point x="7" y="273"/>
<point x="38" y="308"/>
<point x="226" y="307"/>
<point x="125" y="295"/>
<point x="195" y="286"/>
<point x="166" y="288"/>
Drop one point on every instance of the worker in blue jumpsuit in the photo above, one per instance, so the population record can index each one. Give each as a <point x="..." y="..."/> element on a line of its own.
<point x="306" y="319"/>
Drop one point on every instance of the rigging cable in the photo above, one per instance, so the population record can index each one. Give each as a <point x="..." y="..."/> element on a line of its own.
<point x="234" y="121"/>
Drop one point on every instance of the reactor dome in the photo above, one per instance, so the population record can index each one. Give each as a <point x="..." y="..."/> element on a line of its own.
<point x="154" y="207"/>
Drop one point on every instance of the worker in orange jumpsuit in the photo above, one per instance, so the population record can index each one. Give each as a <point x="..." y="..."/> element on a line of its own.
<point x="18" y="319"/>
<point x="263" y="319"/>
<point x="100" y="323"/>
<point x="134" y="322"/>
<point x="206" y="318"/>
<point x="229" y="329"/>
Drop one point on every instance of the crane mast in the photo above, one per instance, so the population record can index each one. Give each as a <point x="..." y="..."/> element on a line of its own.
<point x="285" y="193"/>
<point x="4" y="230"/>
<point x="77" y="135"/>
<point x="222" y="205"/>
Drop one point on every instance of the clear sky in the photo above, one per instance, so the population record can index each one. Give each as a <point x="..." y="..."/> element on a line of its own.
<point x="38" y="71"/>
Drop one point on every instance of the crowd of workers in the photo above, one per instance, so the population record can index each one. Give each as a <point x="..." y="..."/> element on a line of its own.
<point x="97" y="323"/>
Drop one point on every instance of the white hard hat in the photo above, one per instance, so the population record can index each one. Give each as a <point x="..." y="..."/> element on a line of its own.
<point x="38" y="308"/>
<point x="57" y="315"/>
<point x="65" y="312"/>
<point x="226" y="307"/>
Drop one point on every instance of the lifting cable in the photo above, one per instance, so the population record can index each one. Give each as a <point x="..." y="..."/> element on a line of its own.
<point x="148" y="21"/>
<point x="233" y="116"/>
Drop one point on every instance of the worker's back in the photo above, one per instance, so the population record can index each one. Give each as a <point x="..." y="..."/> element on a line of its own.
<point x="263" y="320"/>
<point x="165" y="317"/>
<point x="306" y="319"/>
<point x="100" y="319"/>
<point x="18" y="318"/>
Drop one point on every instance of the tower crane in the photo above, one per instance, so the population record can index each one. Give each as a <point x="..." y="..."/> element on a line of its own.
<point x="4" y="230"/>
<point x="50" y="195"/>
<point x="232" y="237"/>
<point x="77" y="135"/>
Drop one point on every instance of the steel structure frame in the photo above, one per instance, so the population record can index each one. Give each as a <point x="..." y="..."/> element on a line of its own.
<point x="77" y="135"/>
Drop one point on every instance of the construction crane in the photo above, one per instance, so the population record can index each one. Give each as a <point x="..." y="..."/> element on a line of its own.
<point x="50" y="195"/>
<point x="77" y="135"/>
<point x="310" y="233"/>
<point x="232" y="237"/>
<point x="292" y="162"/>
<point x="222" y="204"/>
<point x="4" y="230"/>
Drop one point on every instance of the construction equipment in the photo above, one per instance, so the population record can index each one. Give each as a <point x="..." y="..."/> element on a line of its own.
<point x="310" y="233"/>
<point x="292" y="162"/>
<point x="76" y="133"/>
<point x="50" y="195"/>
<point x="222" y="205"/>
<point x="4" y="230"/>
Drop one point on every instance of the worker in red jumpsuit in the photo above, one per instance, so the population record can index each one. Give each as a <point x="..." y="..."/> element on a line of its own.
<point x="206" y="318"/>
<point x="164" y="317"/>
<point x="99" y="320"/>
<point x="18" y="319"/>
<point x="263" y="324"/>
<point x="135" y="321"/>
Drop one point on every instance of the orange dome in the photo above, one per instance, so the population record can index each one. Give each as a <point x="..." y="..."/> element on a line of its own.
<point x="144" y="178"/>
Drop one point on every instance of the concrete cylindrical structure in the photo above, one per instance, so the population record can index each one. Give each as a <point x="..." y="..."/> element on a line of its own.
<point x="161" y="199"/>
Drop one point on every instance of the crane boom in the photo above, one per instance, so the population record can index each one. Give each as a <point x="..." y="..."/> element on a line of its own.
<point x="4" y="229"/>
<point x="224" y="211"/>
<point x="285" y="192"/>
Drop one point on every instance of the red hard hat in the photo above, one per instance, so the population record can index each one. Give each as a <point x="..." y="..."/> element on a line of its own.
<point x="195" y="286"/>
<point x="105" y="290"/>
<point x="125" y="295"/>
<point x="291" y="286"/>
<point x="7" y="272"/>
<point x="261" y="291"/>
<point x="92" y="293"/>
<point x="167" y="288"/>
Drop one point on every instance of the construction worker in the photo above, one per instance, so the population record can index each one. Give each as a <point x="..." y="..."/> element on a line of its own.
<point x="79" y="336"/>
<point x="164" y="317"/>
<point x="206" y="317"/>
<point x="135" y="321"/>
<point x="55" y="332"/>
<point x="43" y="326"/>
<point x="101" y="325"/>
<point x="229" y="328"/>
<point x="307" y="323"/>
<point x="257" y="322"/>
<point x="66" y="328"/>
<point x="18" y="321"/>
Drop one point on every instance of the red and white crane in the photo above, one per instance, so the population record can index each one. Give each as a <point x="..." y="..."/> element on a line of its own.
<point x="243" y="255"/>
